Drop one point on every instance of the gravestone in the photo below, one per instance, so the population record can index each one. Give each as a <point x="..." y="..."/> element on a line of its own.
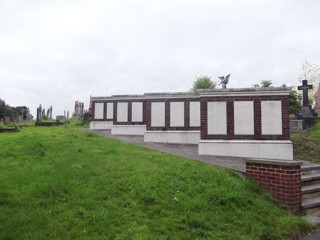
<point x="1" y="121"/>
<point x="50" y="112"/>
<point x="305" y="110"/>
<point x="6" y="120"/>
<point x="306" y="113"/>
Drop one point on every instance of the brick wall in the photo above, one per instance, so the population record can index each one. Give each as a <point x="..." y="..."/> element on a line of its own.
<point x="281" y="178"/>
<point x="257" y="117"/>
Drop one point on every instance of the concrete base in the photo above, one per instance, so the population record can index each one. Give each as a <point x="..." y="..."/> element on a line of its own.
<point x="101" y="124"/>
<point x="182" y="137"/>
<point x="272" y="149"/>
<point x="128" y="129"/>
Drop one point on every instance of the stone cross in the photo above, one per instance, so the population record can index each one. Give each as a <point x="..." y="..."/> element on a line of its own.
<point x="305" y="87"/>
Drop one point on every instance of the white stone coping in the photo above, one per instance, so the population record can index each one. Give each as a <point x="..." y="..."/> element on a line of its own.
<point x="269" y="91"/>
<point x="246" y="141"/>
<point x="173" y="131"/>
<point x="274" y="161"/>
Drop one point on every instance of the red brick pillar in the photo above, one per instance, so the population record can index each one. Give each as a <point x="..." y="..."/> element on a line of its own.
<point x="279" y="177"/>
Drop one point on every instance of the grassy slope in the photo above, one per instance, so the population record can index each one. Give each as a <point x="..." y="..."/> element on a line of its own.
<point x="307" y="146"/>
<point x="62" y="183"/>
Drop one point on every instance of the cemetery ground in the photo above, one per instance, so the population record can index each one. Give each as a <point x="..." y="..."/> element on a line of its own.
<point x="306" y="146"/>
<point x="63" y="183"/>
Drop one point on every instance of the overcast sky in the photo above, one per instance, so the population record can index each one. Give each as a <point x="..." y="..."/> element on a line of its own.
<point x="57" y="52"/>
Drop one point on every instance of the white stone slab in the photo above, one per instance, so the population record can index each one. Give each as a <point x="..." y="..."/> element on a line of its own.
<point x="128" y="130"/>
<point x="243" y="118"/>
<point x="181" y="137"/>
<point x="109" y="110"/>
<point x="157" y="114"/>
<point x="195" y="114"/>
<point x="271" y="149"/>
<point x="98" y="110"/>
<point x="271" y="118"/>
<point x="122" y="112"/>
<point x="101" y="124"/>
<point x="137" y="112"/>
<point x="217" y="117"/>
<point x="177" y="114"/>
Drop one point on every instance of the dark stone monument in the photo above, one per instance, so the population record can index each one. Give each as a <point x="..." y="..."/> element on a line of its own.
<point x="306" y="113"/>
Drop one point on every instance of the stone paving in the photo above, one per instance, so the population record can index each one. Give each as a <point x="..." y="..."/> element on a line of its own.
<point x="183" y="150"/>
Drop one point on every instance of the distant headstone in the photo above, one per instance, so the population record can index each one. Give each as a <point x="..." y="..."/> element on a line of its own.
<point x="6" y="120"/>
<point x="50" y="112"/>
<point x="78" y="109"/>
<point x="60" y="117"/>
<point x="1" y="121"/>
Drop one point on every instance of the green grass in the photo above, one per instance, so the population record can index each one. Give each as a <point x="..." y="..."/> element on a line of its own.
<point x="64" y="183"/>
<point x="306" y="146"/>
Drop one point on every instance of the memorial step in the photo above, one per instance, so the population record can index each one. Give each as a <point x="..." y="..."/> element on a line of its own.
<point x="310" y="169"/>
<point x="311" y="206"/>
<point x="310" y="191"/>
<point x="310" y="179"/>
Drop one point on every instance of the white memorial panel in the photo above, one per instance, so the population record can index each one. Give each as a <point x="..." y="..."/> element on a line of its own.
<point x="217" y="117"/>
<point x="195" y="114"/>
<point x="176" y="114"/>
<point x="243" y="118"/>
<point x="122" y="112"/>
<point x="98" y="110"/>
<point x="137" y="112"/>
<point x="271" y="118"/>
<point x="109" y="110"/>
<point x="157" y="114"/>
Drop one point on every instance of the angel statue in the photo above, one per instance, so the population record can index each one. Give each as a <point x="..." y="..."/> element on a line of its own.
<point x="224" y="81"/>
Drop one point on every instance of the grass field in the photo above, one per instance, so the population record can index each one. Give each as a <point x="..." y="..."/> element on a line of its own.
<point x="64" y="183"/>
<point x="307" y="146"/>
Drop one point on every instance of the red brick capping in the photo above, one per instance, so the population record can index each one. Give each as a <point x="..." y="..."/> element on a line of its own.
<point x="282" y="178"/>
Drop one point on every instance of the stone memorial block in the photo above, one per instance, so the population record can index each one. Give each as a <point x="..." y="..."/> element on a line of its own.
<point x="195" y="114"/>
<point x="243" y="118"/>
<point x="98" y="110"/>
<point x="157" y="114"/>
<point x="217" y="118"/>
<point x="109" y="110"/>
<point x="177" y="114"/>
<point x="122" y="112"/>
<point x="137" y="112"/>
<point x="271" y="118"/>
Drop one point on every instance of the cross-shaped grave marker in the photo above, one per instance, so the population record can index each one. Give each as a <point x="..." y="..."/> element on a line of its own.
<point x="305" y="87"/>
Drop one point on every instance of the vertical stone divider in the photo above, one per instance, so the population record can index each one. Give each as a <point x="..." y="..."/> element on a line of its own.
<point x="281" y="178"/>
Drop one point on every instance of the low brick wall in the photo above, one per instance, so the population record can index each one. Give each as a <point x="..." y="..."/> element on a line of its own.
<point x="281" y="178"/>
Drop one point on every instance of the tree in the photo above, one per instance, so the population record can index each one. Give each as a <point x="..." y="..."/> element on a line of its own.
<point x="263" y="84"/>
<point x="294" y="102"/>
<point x="310" y="72"/>
<point x="266" y="83"/>
<point x="203" y="82"/>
